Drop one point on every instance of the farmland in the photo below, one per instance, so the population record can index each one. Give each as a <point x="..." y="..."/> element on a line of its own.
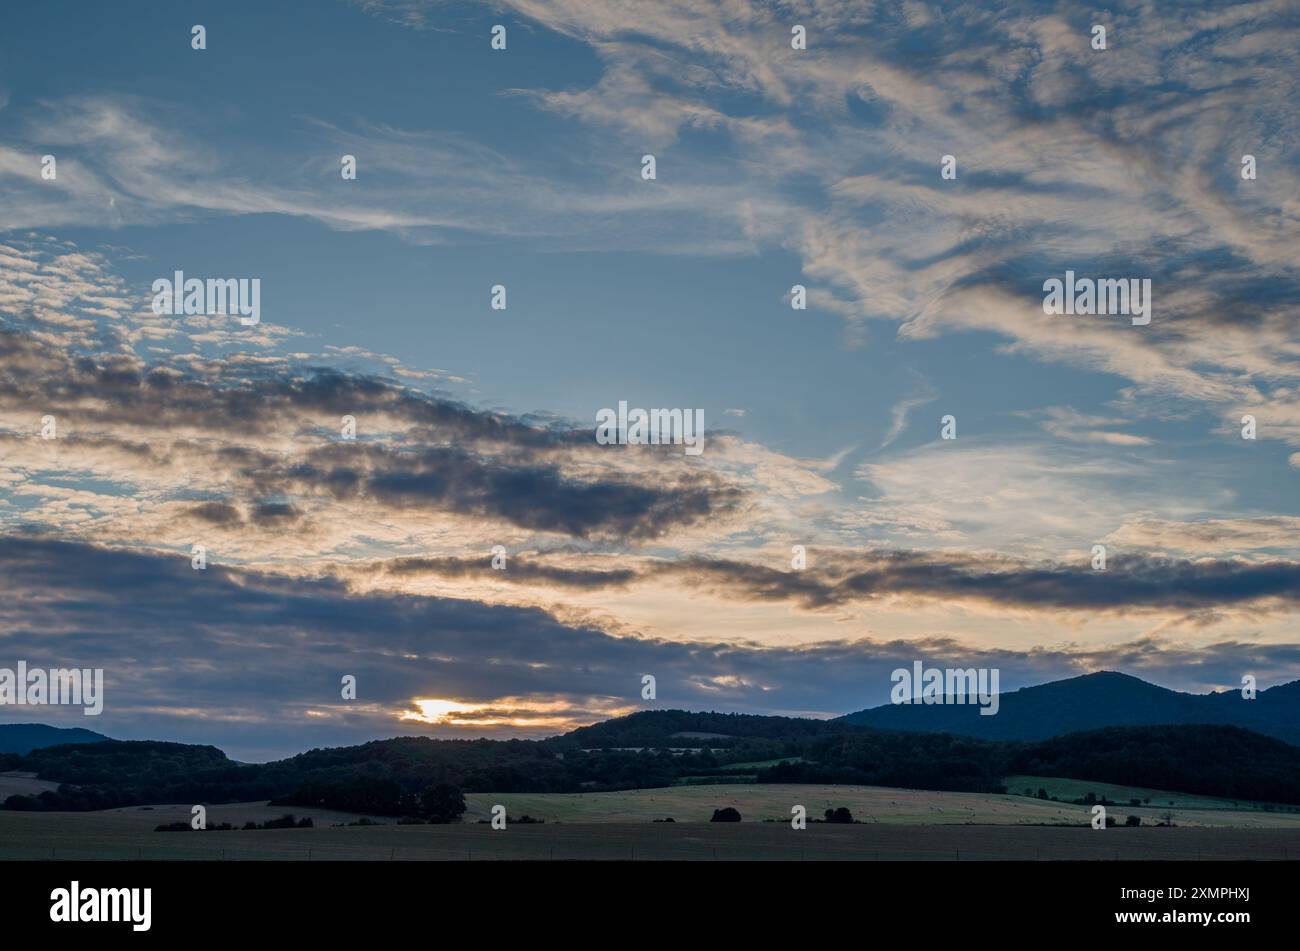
<point x="876" y="805"/>
<point x="894" y="824"/>
<point x="1067" y="790"/>
<point x="23" y="784"/>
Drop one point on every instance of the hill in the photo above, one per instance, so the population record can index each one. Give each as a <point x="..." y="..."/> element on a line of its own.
<point x="391" y="777"/>
<point x="683" y="728"/>
<point x="1223" y="761"/>
<point x="1090" y="702"/>
<point x="22" y="738"/>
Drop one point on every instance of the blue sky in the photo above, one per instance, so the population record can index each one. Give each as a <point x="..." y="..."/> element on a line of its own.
<point x="775" y="166"/>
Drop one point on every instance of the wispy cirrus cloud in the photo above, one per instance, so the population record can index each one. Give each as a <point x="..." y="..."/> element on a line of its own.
<point x="1116" y="161"/>
<point x="1057" y="143"/>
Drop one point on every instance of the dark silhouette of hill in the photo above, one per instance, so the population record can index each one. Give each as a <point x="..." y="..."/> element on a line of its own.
<point x="1090" y="702"/>
<point x="1105" y="727"/>
<point x="1223" y="761"/>
<point x="22" y="738"/>
<point x="402" y="776"/>
<point x="678" y="728"/>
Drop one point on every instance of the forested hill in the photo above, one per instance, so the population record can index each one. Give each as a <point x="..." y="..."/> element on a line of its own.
<point x="25" y="737"/>
<point x="681" y="728"/>
<point x="1101" y="699"/>
<point x="386" y="777"/>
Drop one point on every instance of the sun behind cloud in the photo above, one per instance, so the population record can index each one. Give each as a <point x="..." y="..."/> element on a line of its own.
<point x="439" y="711"/>
<point x="517" y="714"/>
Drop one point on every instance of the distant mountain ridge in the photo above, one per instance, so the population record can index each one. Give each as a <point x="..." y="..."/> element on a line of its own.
<point x="22" y="738"/>
<point x="1090" y="702"/>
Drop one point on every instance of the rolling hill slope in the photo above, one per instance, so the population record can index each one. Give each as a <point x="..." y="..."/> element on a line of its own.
<point x="1090" y="702"/>
<point x="22" y="738"/>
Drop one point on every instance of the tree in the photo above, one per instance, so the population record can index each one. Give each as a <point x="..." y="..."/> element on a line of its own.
<point x="840" y="815"/>
<point x="442" y="803"/>
<point x="725" y="814"/>
<point x="1133" y="821"/>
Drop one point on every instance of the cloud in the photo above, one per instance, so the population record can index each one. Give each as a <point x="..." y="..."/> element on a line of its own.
<point x="270" y="436"/>
<point x="1069" y="424"/>
<point x="1213" y="536"/>
<point x="922" y="393"/>
<point x="1134" y="582"/>
<point x="517" y="571"/>
<point x="326" y="552"/>
<point x="1118" y="162"/>
<point x="166" y="635"/>
<point x="1010" y="494"/>
<point x="122" y="162"/>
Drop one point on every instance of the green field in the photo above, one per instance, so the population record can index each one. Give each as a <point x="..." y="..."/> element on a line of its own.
<point x="1068" y="790"/>
<point x="122" y="835"/>
<point x="893" y="824"/>
<point x="763" y="763"/>
<point x="23" y="784"/>
<point x="869" y="804"/>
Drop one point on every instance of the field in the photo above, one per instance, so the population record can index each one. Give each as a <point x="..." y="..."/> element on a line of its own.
<point x="1160" y="799"/>
<point x="895" y="825"/>
<point x="869" y="804"/>
<point x="762" y="764"/>
<point x="23" y="784"/>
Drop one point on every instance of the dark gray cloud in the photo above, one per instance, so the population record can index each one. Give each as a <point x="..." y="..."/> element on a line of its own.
<point x="448" y="457"/>
<point x="537" y="496"/>
<point x="218" y="513"/>
<point x="1131" y="583"/>
<point x="121" y="389"/>
<point x="519" y="570"/>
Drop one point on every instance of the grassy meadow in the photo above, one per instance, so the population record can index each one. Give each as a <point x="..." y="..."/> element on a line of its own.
<point x="869" y="805"/>
<point x="893" y="824"/>
<point x="1160" y="800"/>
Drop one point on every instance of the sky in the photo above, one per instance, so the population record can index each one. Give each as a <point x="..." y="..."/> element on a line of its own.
<point x="371" y="557"/>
